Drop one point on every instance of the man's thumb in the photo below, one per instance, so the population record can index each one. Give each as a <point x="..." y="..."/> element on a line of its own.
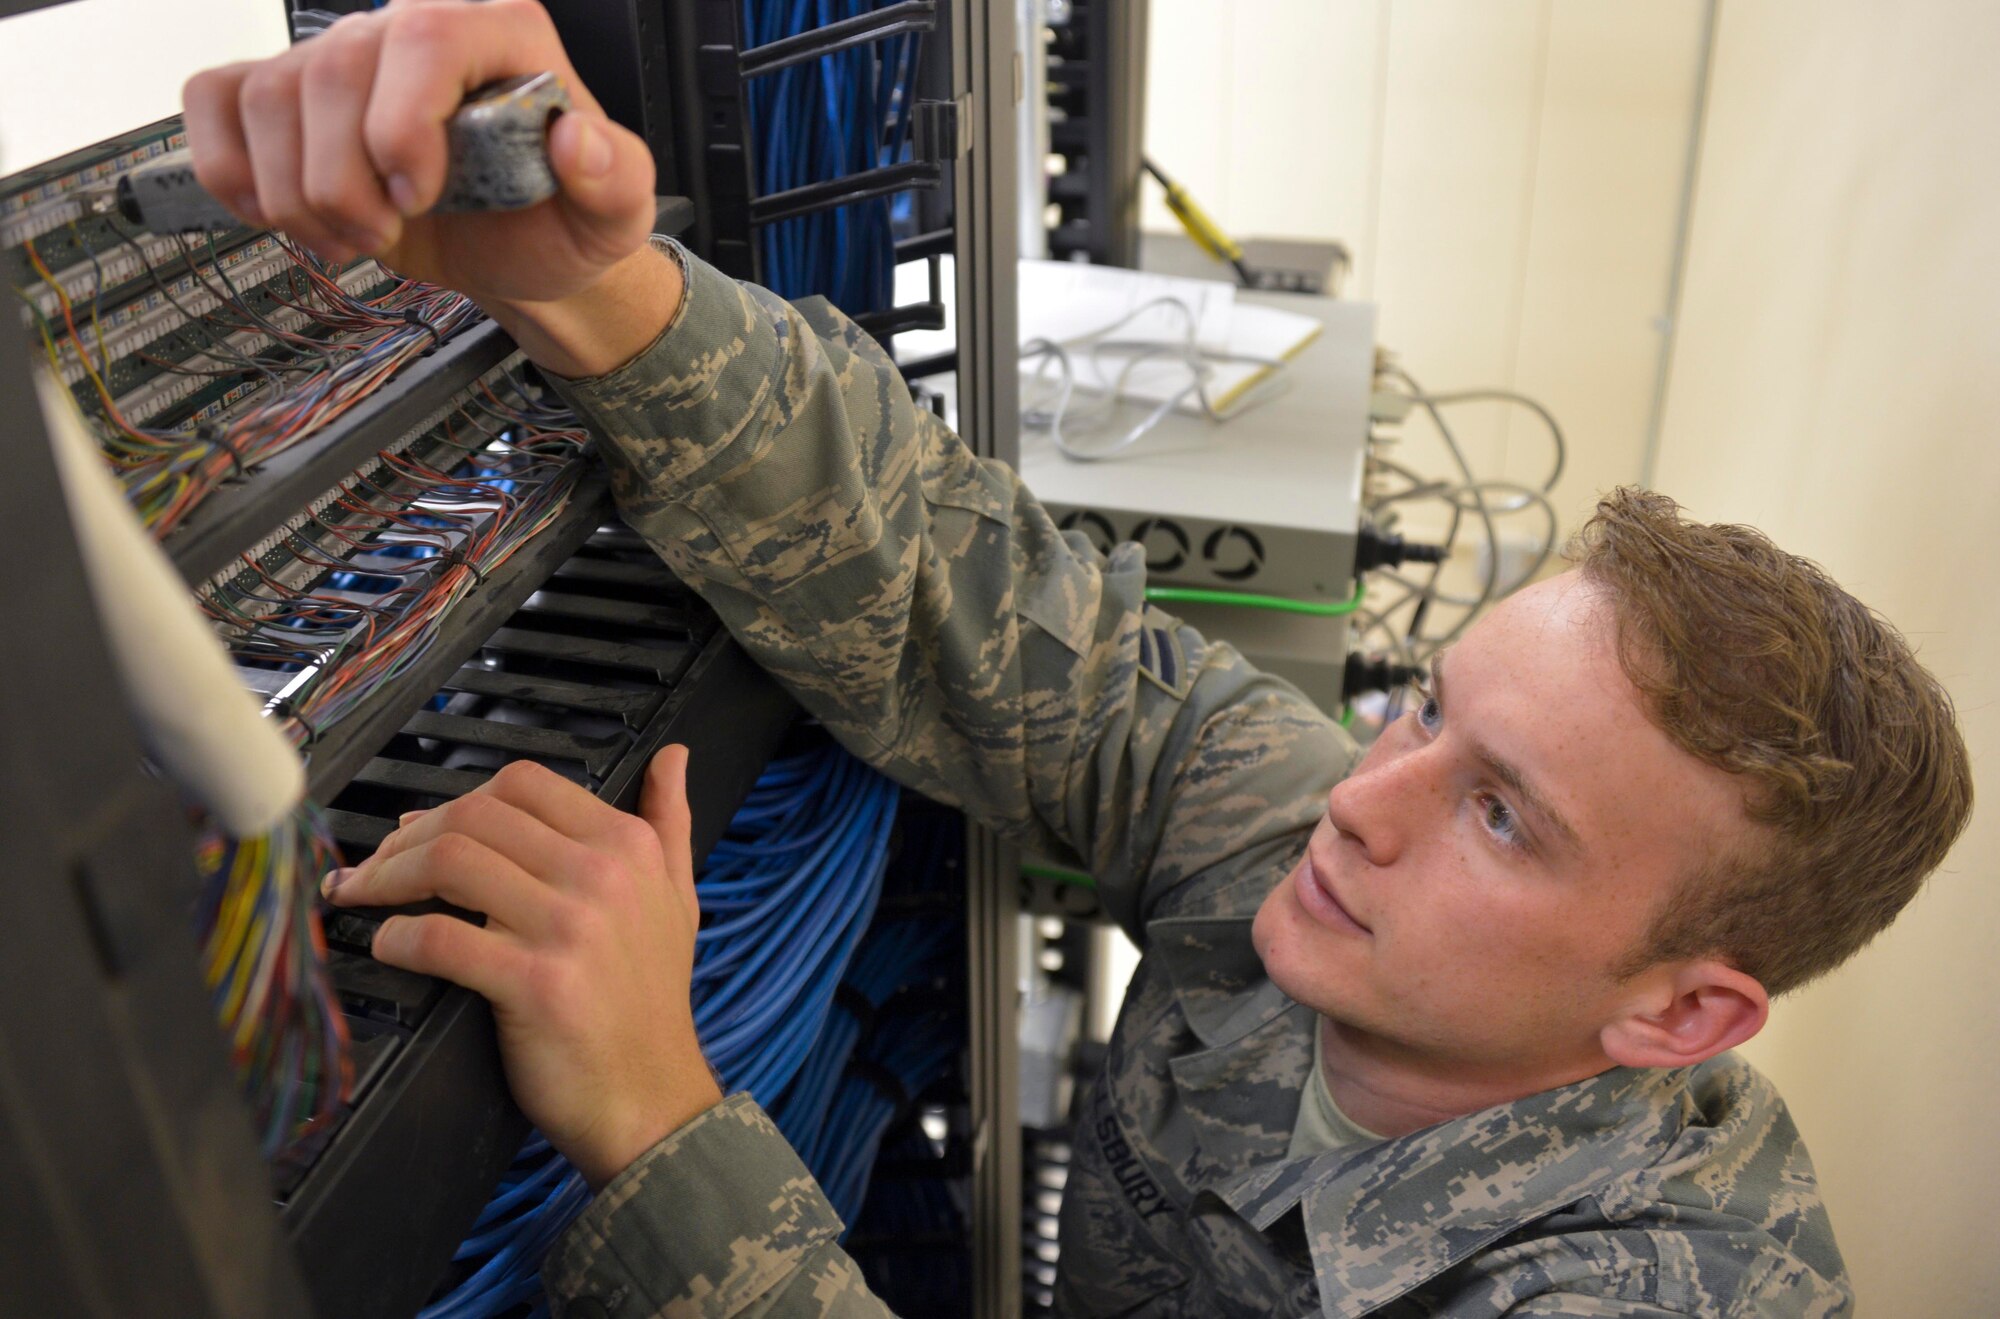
<point x="606" y="173"/>
<point x="663" y="804"/>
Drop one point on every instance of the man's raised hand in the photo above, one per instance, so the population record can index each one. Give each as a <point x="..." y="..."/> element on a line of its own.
<point x="340" y="142"/>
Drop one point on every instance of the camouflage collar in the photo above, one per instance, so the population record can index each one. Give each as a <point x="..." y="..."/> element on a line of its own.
<point x="1384" y="1218"/>
<point x="1391" y="1217"/>
<point x="1217" y="976"/>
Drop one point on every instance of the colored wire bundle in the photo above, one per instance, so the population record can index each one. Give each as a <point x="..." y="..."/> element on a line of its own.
<point x="263" y="959"/>
<point x="838" y="115"/>
<point x="288" y="381"/>
<point x="786" y="896"/>
<point x="396" y="550"/>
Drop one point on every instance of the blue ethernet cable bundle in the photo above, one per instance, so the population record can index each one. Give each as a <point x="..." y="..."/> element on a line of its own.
<point x="889" y="1040"/>
<point x="787" y="896"/>
<point x="831" y="117"/>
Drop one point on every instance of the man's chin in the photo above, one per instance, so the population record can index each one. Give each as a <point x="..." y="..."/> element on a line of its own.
<point x="1297" y="962"/>
<point x="1263" y="928"/>
<point x="1280" y="935"/>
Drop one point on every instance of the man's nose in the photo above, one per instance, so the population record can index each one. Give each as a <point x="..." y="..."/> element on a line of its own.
<point x="1382" y="805"/>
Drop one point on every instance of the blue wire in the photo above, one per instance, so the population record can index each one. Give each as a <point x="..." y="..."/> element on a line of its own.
<point x="840" y="114"/>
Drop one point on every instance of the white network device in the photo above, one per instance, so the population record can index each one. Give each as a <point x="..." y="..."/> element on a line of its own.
<point x="1268" y="502"/>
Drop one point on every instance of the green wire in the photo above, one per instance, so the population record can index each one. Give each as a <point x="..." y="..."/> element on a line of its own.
<point x="1058" y="875"/>
<point x="1198" y="596"/>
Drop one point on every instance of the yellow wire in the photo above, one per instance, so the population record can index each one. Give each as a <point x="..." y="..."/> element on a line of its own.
<point x="232" y="915"/>
<point x="239" y="989"/>
<point x="96" y="323"/>
<point x="249" y="1020"/>
<point x="69" y="313"/>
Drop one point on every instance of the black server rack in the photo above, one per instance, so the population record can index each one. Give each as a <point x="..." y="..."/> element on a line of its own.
<point x="1096" y="81"/>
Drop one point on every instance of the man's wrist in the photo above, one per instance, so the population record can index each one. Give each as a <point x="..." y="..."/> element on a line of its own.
<point x="600" y="328"/>
<point x="620" y="1145"/>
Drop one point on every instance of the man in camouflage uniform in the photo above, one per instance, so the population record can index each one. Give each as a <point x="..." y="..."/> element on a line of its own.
<point x="1445" y="1035"/>
<point x="922" y="604"/>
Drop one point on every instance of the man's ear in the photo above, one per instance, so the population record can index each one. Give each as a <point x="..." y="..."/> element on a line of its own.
<point x="1685" y="1014"/>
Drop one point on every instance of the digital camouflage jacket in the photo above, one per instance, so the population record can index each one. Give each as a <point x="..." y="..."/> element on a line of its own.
<point x="921" y="603"/>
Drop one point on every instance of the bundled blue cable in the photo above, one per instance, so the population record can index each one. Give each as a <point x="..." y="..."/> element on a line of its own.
<point x="787" y="895"/>
<point x="904" y="955"/>
<point x="895" y="1031"/>
<point x="877" y="1090"/>
<point x="838" y="115"/>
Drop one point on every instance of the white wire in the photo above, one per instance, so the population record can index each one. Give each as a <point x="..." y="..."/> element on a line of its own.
<point x="1492" y="575"/>
<point x="1525" y="497"/>
<point x="1556" y="439"/>
<point x="1486" y="499"/>
<point x="1060" y="418"/>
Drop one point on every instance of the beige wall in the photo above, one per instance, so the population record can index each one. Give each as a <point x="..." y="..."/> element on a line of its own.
<point x="1837" y="382"/>
<point x="1508" y="174"/>
<point x="81" y="72"/>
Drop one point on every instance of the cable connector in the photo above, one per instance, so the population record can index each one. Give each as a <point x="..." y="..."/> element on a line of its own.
<point x="1365" y="674"/>
<point x="1387" y="549"/>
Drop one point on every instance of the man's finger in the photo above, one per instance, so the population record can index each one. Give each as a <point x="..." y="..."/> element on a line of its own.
<point x="433" y="55"/>
<point x="211" y="101"/>
<point x="663" y="804"/>
<point x="269" y="108"/>
<point x="460" y="870"/>
<point x="339" y="180"/>
<point x="485" y="961"/>
<point x="488" y="819"/>
<point x="606" y="174"/>
<point x="567" y="808"/>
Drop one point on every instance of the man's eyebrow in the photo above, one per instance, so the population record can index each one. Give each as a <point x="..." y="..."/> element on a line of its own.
<point x="1509" y="775"/>
<point x="1517" y="783"/>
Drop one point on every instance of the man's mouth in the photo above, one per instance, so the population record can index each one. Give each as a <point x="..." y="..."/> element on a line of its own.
<point x="1318" y="897"/>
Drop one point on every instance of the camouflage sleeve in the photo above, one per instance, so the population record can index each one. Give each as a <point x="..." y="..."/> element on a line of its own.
<point x="920" y="602"/>
<point x="1588" y="1307"/>
<point x="719" y="1219"/>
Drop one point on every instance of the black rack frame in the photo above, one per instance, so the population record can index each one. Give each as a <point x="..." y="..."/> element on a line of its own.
<point x="939" y="138"/>
<point x="139" y="1182"/>
<point x="1098" y="81"/>
<point x="138" y="1186"/>
<point x="141" y="1188"/>
<point x="135" y="1182"/>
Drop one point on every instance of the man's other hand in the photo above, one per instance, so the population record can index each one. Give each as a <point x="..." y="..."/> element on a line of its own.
<point x="586" y="955"/>
<point x="340" y="142"/>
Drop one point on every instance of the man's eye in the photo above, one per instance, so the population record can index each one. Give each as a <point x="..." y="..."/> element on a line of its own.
<point x="1500" y="820"/>
<point x="1430" y="713"/>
